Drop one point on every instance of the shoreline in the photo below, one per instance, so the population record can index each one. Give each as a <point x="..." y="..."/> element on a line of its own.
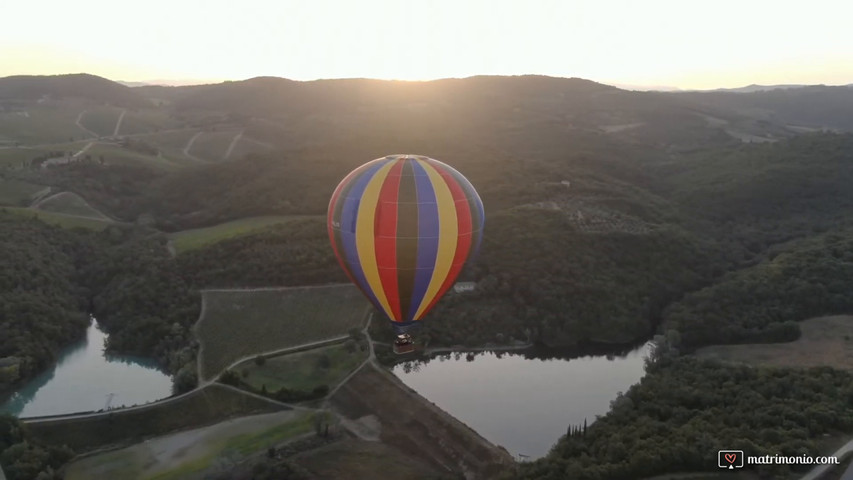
<point x="463" y="349"/>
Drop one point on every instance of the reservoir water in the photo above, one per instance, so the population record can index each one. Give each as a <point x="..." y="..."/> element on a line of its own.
<point x="520" y="403"/>
<point x="84" y="379"/>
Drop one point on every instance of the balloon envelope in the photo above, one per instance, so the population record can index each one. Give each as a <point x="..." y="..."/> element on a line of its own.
<point x="402" y="227"/>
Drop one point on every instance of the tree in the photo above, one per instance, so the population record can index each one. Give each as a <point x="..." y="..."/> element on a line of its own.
<point x="230" y="377"/>
<point x="323" y="361"/>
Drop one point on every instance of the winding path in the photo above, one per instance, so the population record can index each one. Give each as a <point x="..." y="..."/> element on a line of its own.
<point x="233" y="144"/>
<point x="371" y="358"/>
<point x="283" y="351"/>
<point x="83" y="150"/>
<point x="118" y="123"/>
<point x="77" y="122"/>
<point x="190" y="145"/>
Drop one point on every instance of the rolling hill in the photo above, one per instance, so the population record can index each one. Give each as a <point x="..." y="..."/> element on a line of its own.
<point x="81" y="85"/>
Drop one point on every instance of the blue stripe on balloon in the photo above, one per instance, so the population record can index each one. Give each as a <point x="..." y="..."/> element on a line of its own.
<point x="349" y="217"/>
<point x="427" y="237"/>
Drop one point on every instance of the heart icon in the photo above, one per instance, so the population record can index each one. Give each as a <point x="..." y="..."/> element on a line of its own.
<point x="731" y="457"/>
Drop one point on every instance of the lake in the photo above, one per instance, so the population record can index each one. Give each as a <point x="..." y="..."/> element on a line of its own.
<point x="524" y="404"/>
<point x="84" y="379"/>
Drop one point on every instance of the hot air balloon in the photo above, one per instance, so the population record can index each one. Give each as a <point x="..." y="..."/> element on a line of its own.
<point x="402" y="228"/>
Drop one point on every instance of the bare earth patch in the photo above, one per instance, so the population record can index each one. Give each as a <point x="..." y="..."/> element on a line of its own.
<point x="405" y="419"/>
<point x="620" y="128"/>
<point x="825" y="341"/>
<point x="191" y="452"/>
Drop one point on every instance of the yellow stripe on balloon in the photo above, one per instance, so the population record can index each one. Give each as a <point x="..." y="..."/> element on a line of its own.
<point x="448" y="228"/>
<point x="364" y="235"/>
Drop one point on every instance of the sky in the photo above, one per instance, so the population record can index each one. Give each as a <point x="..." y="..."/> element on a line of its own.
<point x="687" y="44"/>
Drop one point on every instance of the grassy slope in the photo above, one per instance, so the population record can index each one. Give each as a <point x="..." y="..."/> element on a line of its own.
<point x="68" y="203"/>
<point x="116" y="155"/>
<point x="171" y="145"/>
<point x="15" y="157"/>
<point x="200" y="237"/>
<point x="213" y="145"/>
<point x="101" y="120"/>
<point x="17" y="193"/>
<point x="145" y="121"/>
<point x="302" y="371"/>
<point x="60" y="220"/>
<point x="246" y="146"/>
<point x="202" y="407"/>
<point x="240" y="323"/>
<point x="43" y="124"/>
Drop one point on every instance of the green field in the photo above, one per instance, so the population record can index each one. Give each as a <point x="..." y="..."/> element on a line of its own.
<point x="15" y="158"/>
<point x="303" y="371"/>
<point x="117" y="155"/>
<point x="200" y="237"/>
<point x="211" y="404"/>
<point x="237" y="324"/>
<point x="194" y="454"/>
<point x="825" y="341"/>
<point x="69" y="203"/>
<point x="19" y="157"/>
<point x="101" y="120"/>
<point x="171" y="144"/>
<point x="61" y="220"/>
<point x="41" y="125"/>
<point x="17" y="193"/>
<point x="213" y="145"/>
<point x="147" y="120"/>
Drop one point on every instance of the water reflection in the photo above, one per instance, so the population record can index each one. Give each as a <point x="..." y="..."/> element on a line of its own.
<point x="84" y="379"/>
<point x="525" y="400"/>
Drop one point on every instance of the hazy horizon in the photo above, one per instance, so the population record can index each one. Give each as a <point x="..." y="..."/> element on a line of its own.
<point x="181" y="82"/>
<point x="650" y="44"/>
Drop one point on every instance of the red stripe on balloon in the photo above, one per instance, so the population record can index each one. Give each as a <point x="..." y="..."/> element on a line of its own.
<point x="385" y="230"/>
<point x="463" y="215"/>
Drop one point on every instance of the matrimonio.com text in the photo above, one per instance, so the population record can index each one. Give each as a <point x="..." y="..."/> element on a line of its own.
<point x="731" y="459"/>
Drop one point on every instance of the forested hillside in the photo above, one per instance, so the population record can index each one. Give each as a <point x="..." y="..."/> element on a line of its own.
<point x="23" y="458"/>
<point x="42" y="301"/>
<point x="759" y="195"/>
<point x="142" y="301"/>
<point x="685" y="410"/>
<point x="52" y="280"/>
<point x="284" y="255"/>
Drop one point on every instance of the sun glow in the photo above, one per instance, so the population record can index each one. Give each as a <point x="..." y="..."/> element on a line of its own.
<point x="688" y="44"/>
